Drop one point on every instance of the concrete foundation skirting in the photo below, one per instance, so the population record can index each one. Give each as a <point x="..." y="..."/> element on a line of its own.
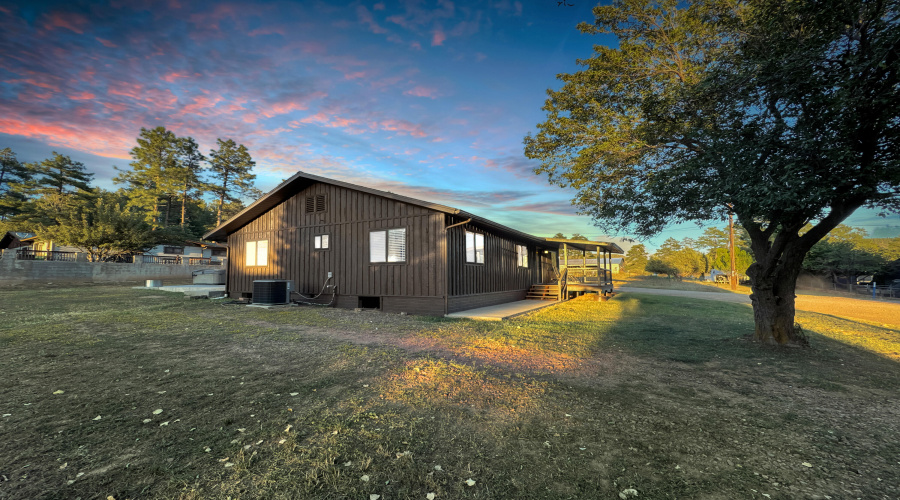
<point x="16" y="272"/>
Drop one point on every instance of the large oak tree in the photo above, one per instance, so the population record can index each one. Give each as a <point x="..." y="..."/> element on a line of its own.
<point x="786" y="113"/>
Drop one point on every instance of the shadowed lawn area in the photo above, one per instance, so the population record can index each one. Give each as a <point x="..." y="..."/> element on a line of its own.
<point x="581" y="400"/>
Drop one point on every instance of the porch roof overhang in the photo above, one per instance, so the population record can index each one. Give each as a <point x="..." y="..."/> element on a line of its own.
<point x="587" y="245"/>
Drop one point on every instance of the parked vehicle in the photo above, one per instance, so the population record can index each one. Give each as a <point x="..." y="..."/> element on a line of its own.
<point x="864" y="280"/>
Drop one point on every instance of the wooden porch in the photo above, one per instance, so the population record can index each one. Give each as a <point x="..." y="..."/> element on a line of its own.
<point x="570" y="277"/>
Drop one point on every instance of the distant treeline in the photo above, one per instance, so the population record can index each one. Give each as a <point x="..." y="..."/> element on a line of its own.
<point x="170" y="192"/>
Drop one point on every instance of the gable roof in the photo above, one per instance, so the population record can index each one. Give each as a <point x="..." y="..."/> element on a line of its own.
<point x="302" y="180"/>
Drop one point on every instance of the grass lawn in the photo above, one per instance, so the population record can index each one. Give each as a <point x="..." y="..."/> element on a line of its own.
<point x="109" y="391"/>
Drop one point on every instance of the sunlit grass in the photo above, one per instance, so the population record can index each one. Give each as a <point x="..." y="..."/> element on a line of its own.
<point x="883" y="340"/>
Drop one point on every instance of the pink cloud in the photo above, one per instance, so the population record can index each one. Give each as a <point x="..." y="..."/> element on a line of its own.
<point x="378" y="6"/>
<point x="420" y="91"/>
<point x="82" y="137"/>
<point x="551" y="207"/>
<point x="286" y="106"/>
<point x="356" y="74"/>
<point x="480" y="57"/>
<point x="171" y="77"/>
<point x="399" y="21"/>
<point x="69" y="20"/>
<point x="272" y="30"/>
<point x="82" y="96"/>
<point x="37" y="83"/>
<point x="201" y="105"/>
<point x="365" y="17"/>
<point x="106" y="43"/>
<point x="437" y="37"/>
<point x="415" y="46"/>
<point x="412" y="129"/>
<point x="115" y="107"/>
<point x="148" y="97"/>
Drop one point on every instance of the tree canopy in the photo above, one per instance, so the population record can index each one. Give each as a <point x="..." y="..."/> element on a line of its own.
<point x="784" y="113"/>
<point x="636" y="259"/>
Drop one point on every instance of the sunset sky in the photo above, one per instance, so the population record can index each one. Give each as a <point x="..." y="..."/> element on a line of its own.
<point x="427" y="99"/>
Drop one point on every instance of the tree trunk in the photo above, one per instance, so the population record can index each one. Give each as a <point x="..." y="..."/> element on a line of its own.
<point x="773" y="300"/>
<point x="183" y="203"/>
<point x="168" y="209"/>
<point x="219" y="212"/>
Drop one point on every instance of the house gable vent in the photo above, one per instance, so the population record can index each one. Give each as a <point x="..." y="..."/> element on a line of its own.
<point x="315" y="203"/>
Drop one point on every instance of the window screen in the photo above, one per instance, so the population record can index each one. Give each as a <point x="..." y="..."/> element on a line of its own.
<point x="474" y="248"/>
<point x="387" y="246"/>
<point x="396" y="248"/>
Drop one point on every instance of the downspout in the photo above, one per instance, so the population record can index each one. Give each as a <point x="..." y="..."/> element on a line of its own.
<point x="458" y="224"/>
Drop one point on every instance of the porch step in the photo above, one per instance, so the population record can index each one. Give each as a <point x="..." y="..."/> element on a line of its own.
<point x="543" y="292"/>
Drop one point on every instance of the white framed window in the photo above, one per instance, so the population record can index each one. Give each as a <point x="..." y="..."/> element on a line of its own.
<point x="320" y="242"/>
<point x="256" y="253"/>
<point x="474" y="248"/>
<point x="522" y="255"/>
<point x="388" y="245"/>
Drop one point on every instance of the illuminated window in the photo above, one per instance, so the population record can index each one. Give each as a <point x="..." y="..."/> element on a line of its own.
<point x="474" y="248"/>
<point x="387" y="246"/>
<point x="320" y="242"/>
<point x="257" y="253"/>
<point x="522" y="255"/>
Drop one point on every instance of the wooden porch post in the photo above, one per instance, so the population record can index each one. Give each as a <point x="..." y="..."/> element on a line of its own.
<point x="565" y="255"/>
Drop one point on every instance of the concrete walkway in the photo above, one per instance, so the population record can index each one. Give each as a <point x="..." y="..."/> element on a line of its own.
<point x="723" y="297"/>
<point x="503" y="311"/>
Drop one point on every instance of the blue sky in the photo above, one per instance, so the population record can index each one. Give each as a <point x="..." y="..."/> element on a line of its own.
<point x="427" y="99"/>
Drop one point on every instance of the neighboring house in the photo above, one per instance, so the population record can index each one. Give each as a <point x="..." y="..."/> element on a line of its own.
<point x="382" y="250"/>
<point x="13" y="239"/>
<point x="215" y="252"/>
<point x="39" y="245"/>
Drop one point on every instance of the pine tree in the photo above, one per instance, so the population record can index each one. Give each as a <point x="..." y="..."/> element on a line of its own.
<point x="14" y="177"/>
<point x="230" y="166"/>
<point x="153" y="177"/>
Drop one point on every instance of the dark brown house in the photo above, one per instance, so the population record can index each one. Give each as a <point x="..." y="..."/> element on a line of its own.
<point x="381" y="249"/>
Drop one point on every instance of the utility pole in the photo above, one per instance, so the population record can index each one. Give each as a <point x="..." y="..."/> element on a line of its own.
<point x="733" y="275"/>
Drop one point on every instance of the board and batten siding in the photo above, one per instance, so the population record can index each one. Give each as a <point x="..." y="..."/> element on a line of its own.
<point x="348" y="218"/>
<point x="498" y="280"/>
